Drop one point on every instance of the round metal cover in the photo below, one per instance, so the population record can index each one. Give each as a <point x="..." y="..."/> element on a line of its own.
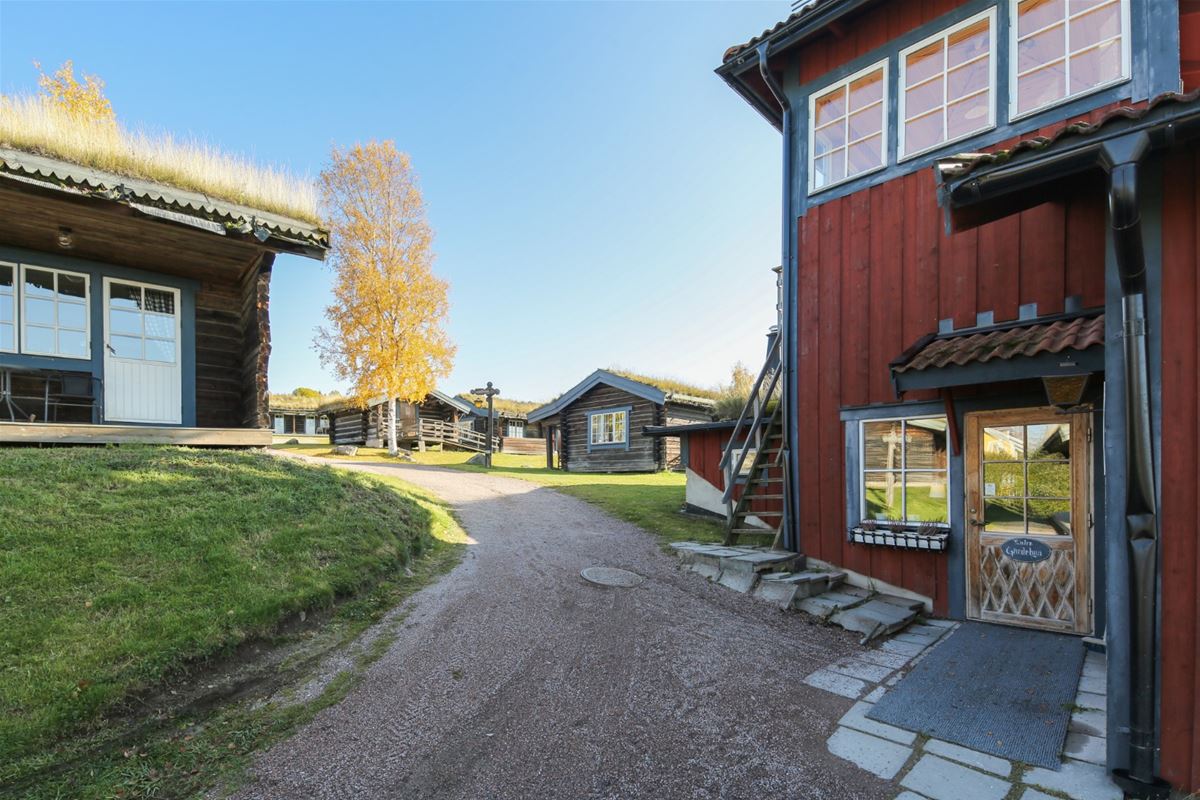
<point x="611" y="576"/>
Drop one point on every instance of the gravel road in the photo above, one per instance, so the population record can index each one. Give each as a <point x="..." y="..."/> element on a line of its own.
<point x="512" y="677"/>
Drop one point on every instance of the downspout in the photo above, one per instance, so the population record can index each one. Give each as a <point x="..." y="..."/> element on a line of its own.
<point x="787" y="322"/>
<point x="1122" y="158"/>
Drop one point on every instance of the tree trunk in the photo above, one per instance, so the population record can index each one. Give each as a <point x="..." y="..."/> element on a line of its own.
<point x="393" y="448"/>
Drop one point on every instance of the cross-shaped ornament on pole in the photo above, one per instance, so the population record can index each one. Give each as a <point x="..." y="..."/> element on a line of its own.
<point x="488" y="392"/>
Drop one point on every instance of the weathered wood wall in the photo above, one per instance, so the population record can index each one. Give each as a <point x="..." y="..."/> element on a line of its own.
<point x="523" y="446"/>
<point x="1180" y="705"/>
<point x="644" y="453"/>
<point x="675" y="414"/>
<point x="233" y="348"/>
<point x="348" y="426"/>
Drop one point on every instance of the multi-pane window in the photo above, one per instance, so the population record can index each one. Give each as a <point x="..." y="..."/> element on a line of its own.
<point x="904" y="470"/>
<point x="1027" y="479"/>
<point x="1065" y="48"/>
<point x="54" y="312"/>
<point x="946" y="86"/>
<point x="847" y="128"/>
<point x="608" y="427"/>
<point x="141" y="323"/>
<point x="8" y="308"/>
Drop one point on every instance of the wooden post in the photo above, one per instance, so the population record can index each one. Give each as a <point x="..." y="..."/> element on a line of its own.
<point x="489" y="391"/>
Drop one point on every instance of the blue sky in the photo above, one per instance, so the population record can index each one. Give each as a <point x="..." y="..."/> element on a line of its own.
<point x="600" y="197"/>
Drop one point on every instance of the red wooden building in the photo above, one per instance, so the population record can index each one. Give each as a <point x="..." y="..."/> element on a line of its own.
<point x="989" y="333"/>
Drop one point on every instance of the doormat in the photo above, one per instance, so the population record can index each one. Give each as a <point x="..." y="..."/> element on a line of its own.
<point x="1004" y="691"/>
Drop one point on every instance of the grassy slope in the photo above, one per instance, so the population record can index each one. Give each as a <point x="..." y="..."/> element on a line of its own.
<point x="121" y="568"/>
<point x="649" y="500"/>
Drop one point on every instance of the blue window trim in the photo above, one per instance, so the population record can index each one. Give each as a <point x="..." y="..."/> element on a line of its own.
<point x="1153" y="71"/>
<point x="96" y="272"/>
<point x="628" y="411"/>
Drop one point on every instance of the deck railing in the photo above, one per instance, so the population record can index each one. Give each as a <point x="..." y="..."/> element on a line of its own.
<point x="451" y="433"/>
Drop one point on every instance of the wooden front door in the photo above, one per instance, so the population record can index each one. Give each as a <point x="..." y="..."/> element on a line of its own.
<point x="1029" y="520"/>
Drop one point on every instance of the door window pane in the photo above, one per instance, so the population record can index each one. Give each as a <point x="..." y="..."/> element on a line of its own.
<point x="1027" y="479"/>
<point x="122" y="295"/>
<point x="126" y="346"/>
<point x="160" y="350"/>
<point x="1005" y="443"/>
<point x="1004" y="479"/>
<point x="1050" y="441"/>
<point x="1049" y="479"/>
<point x="159" y="326"/>
<point x="1049" y="517"/>
<point x="160" y="302"/>
<point x="1006" y="515"/>
<point x="125" y="322"/>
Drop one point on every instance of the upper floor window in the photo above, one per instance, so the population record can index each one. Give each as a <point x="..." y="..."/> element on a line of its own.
<point x="1066" y="48"/>
<point x="608" y="427"/>
<point x="947" y="84"/>
<point x="8" y="308"/>
<point x="54" y="312"/>
<point x="847" y="128"/>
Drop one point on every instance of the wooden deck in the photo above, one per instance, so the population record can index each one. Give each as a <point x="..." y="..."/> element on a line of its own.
<point x="55" y="433"/>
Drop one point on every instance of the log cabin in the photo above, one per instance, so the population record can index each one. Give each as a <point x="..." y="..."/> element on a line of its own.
<point x="133" y="310"/>
<point x="597" y="425"/>
<point x="988" y="327"/>
<point x="295" y="416"/>
<point x="438" y="417"/>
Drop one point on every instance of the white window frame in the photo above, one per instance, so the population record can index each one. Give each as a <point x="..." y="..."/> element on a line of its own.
<point x="993" y="55"/>
<point x="885" y="137"/>
<point x="16" y="305"/>
<point x="87" y="313"/>
<point x="903" y="470"/>
<point x="601" y="416"/>
<point x="1126" y="70"/>
<point x="177" y="314"/>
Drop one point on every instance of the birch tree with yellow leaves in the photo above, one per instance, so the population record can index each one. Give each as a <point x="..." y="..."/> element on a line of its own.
<point x="386" y="332"/>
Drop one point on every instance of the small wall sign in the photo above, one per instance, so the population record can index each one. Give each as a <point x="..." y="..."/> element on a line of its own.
<point x="1028" y="550"/>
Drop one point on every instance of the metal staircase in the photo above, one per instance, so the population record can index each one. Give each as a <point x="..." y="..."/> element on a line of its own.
<point x="760" y="508"/>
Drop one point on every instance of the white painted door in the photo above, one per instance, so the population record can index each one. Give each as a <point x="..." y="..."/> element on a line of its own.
<point x="142" y="372"/>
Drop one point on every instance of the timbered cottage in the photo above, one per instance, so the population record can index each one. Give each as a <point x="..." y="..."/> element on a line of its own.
<point x="293" y="415"/>
<point x="132" y="310"/>
<point x="597" y="425"/>
<point x="988" y="336"/>
<point x="440" y="418"/>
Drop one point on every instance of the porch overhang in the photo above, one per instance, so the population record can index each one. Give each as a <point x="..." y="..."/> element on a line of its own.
<point x="1040" y="348"/>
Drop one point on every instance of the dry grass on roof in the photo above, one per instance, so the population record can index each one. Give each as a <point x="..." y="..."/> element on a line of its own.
<point x="669" y="385"/>
<point x="294" y="402"/>
<point x="504" y="405"/>
<point x="30" y="124"/>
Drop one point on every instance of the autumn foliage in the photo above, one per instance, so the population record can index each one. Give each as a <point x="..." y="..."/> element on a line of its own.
<point x="385" y="335"/>
<point x="83" y="100"/>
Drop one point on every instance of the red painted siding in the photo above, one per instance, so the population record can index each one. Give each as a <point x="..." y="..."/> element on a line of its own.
<point x="1189" y="43"/>
<point x="877" y="271"/>
<point x="1181" y="472"/>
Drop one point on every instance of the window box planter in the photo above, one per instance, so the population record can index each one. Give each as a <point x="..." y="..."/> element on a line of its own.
<point x="903" y="538"/>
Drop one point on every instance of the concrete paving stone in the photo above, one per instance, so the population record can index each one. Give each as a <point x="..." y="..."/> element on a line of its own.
<point x="972" y="758"/>
<point x="925" y="629"/>
<point x="903" y="648"/>
<point x="1092" y="749"/>
<point x="1089" y="700"/>
<point x="856" y="718"/>
<point x="940" y="779"/>
<point x="1094" y="670"/>
<point x="1089" y="721"/>
<point x="892" y="681"/>
<point x="1076" y="779"/>
<point x="1093" y="685"/>
<point x="836" y="683"/>
<point x="940" y="623"/>
<point x="861" y="669"/>
<point x="875" y="694"/>
<point x="872" y="619"/>
<point x="1034" y="794"/>
<point x="877" y="756"/>
<point x="923" y="641"/>
<point x="884" y="658"/>
<point x="1092" y="657"/>
<point x="761" y="559"/>
<point x="687" y="545"/>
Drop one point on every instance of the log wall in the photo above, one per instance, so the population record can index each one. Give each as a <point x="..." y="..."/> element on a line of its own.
<point x="644" y="453"/>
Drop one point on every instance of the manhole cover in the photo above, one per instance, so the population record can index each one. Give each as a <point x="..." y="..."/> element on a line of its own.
<point x="611" y="576"/>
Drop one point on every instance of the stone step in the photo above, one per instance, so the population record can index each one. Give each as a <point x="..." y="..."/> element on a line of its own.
<point x="874" y="618"/>
<point x="741" y="573"/>
<point x="785" y="589"/>
<point x="829" y="603"/>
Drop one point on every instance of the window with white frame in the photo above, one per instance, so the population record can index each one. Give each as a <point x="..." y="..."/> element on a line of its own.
<point x="1066" y="48"/>
<point x="608" y="427"/>
<point x="54" y="312"/>
<point x="848" y="128"/>
<point x="947" y="85"/>
<point x="142" y="322"/>
<point x="904" y="476"/>
<point x="8" y="308"/>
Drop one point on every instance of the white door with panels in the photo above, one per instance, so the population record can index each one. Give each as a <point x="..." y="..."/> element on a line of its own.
<point x="142" y="334"/>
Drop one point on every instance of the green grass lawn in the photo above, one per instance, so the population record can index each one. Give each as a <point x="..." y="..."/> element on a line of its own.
<point x="122" y="570"/>
<point x="649" y="500"/>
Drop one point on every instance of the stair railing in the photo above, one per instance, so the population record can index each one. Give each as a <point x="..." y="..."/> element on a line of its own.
<point x="754" y="409"/>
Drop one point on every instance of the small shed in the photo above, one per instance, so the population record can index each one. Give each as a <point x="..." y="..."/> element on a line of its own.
<point x="440" y="418"/>
<point x="296" y="416"/>
<point x="597" y="425"/>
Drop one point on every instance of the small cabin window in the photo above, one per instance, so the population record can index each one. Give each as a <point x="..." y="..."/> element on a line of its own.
<point x="905" y="470"/>
<point x="847" y="128"/>
<point x="8" y="308"/>
<point x="946" y="86"/>
<point x="608" y="427"/>
<point x="1066" y="48"/>
<point x="54" y="313"/>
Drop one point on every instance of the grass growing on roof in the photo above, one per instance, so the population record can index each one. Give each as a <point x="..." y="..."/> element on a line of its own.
<point x="668" y="384"/>
<point x="30" y="124"/>
<point x="124" y="568"/>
